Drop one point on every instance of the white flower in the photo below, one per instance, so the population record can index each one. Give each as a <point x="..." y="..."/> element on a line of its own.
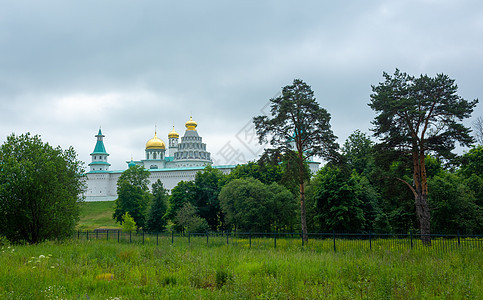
<point x="41" y="256"/>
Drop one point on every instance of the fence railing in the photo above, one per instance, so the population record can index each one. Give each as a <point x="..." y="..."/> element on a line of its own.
<point x="316" y="241"/>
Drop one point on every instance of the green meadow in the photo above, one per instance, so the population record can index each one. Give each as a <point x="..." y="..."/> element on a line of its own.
<point x="97" y="215"/>
<point x="105" y="269"/>
<point x="158" y="267"/>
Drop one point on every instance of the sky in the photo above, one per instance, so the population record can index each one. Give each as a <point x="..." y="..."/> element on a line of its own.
<point x="68" y="68"/>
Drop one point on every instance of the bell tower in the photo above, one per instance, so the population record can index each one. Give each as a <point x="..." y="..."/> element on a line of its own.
<point x="173" y="138"/>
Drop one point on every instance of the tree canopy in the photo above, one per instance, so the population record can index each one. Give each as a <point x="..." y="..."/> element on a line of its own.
<point x="250" y="205"/>
<point x="40" y="190"/>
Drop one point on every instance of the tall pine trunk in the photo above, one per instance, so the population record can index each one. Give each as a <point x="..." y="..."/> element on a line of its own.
<point x="303" y="214"/>
<point x="421" y="197"/>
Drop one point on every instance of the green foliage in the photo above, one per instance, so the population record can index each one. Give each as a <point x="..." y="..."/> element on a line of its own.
<point x="133" y="195"/>
<point x="397" y="201"/>
<point x="338" y="202"/>
<point x="297" y="117"/>
<point x="475" y="183"/>
<point x="156" y="221"/>
<point x="40" y="190"/>
<point x="207" y="188"/>
<point x="453" y="206"/>
<point x="357" y="151"/>
<point x="250" y="205"/>
<point x="183" y="192"/>
<point x="420" y="114"/>
<point x="283" y="207"/>
<point x="472" y="162"/>
<point x="189" y="221"/>
<point x="128" y="223"/>
<point x="265" y="172"/>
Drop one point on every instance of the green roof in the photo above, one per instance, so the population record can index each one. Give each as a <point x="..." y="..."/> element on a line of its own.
<point x="99" y="163"/>
<point x="168" y="169"/>
<point x="99" y="148"/>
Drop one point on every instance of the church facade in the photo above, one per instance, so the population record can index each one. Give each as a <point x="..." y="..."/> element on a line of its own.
<point x="181" y="161"/>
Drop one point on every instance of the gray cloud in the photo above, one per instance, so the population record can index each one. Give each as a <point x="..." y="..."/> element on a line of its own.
<point x="68" y="68"/>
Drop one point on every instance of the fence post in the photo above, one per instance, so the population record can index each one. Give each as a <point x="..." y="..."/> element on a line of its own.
<point x="250" y="238"/>
<point x="274" y="240"/>
<point x="459" y="242"/>
<point x="143" y="237"/>
<point x="333" y="233"/>
<point x="370" y="240"/>
<point x="78" y="234"/>
<point x="172" y="237"/>
<point x="97" y="234"/>
<point x="130" y="236"/>
<point x="118" y="233"/>
<point x="302" y="235"/>
<point x="107" y="235"/>
<point x="207" y="238"/>
<point x="411" y="234"/>
<point x="189" y="238"/>
<point x="87" y="234"/>
<point x="157" y="238"/>
<point x="227" y="237"/>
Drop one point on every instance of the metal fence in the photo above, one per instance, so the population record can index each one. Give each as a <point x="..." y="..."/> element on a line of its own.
<point x="316" y="241"/>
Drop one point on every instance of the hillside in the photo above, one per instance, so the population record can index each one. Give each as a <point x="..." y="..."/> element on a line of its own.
<point x="97" y="215"/>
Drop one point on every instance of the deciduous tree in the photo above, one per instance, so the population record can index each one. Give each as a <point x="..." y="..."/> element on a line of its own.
<point x="133" y="195"/>
<point x="250" y="205"/>
<point x="40" y="190"/>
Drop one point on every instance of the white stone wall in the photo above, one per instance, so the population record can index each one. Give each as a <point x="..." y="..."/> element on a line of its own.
<point x="102" y="186"/>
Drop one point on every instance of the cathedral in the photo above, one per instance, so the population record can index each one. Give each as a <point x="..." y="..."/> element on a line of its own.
<point x="181" y="161"/>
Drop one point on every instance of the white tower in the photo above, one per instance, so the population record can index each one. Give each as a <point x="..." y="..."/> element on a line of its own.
<point x="99" y="155"/>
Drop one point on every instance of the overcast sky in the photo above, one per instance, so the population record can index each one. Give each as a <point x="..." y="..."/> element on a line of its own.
<point x="69" y="67"/>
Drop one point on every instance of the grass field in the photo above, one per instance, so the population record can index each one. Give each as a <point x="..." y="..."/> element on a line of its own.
<point x="97" y="215"/>
<point x="101" y="269"/>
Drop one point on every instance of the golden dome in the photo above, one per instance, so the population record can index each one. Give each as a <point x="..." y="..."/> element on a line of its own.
<point x="191" y="125"/>
<point x="173" y="134"/>
<point x="155" y="143"/>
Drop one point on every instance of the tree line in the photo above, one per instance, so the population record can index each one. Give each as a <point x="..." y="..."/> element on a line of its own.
<point x="404" y="177"/>
<point x="360" y="194"/>
<point x="408" y="179"/>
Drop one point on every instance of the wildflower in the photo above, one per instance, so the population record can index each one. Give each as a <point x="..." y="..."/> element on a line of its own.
<point x="105" y="276"/>
<point x="41" y="256"/>
<point x="52" y="267"/>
